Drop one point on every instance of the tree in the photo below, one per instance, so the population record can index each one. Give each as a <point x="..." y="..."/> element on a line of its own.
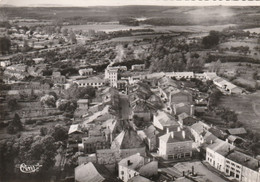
<point x="5" y="44"/>
<point x="15" y="125"/>
<point x="65" y="32"/>
<point x="43" y="131"/>
<point x="211" y="40"/>
<point x="59" y="133"/>
<point x="12" y="104"/>
<point x="72" y="37"/>
<point x="48" y="100"/>
<point x="228" y="116"/>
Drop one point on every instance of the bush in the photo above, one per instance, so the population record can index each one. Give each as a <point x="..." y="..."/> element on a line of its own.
<point x="30" y="121"/>
<point x="39" y="122"/>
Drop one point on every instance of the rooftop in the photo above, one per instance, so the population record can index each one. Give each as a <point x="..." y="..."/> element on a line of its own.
<point x="237" y="131"/>
<point x="166" y="119"/>
<point x="244" y="160"/>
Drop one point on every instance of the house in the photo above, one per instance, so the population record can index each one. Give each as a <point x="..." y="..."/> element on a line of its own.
<point x="232" y="162"/>
<point x="18" y="71"/>
<point x="237" y="131"/>
<point x="216" y="152"/>
<point x="175" y="145"/>
<point x="122" y="86"/>
<point x="57" y="78"/>
<point x="86" y="71"/>
<point x="185" y="120"/>
<point x="38" y="60"/>
<point x="142" y="110"/>
<point x="136" y="165"/>
<point x="180" y="96"/>
<point x="83" y="103"/>
<point x="149" y="136"/>
<point x="181" y="75"/>
<point x="138" y="67"/>
<point x="127" y="143"/>
<point x="227" y="86"/>
<point x="210" y="75"/>
<point x="250" y="167"/>
<point x="163" y="120"/>
<point x="75" y="132"/>
<point x="183" y="108"/>
<point x="92" y="172"/>
<point x="198" y="130"/>
<point x="111" y="73"/>
<point x="5" y="63"/>
<point x="91" y="81"/>
<point x="93" y="143"/>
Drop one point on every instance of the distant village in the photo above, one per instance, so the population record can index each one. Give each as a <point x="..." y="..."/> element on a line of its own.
<point x="123" y="123"/>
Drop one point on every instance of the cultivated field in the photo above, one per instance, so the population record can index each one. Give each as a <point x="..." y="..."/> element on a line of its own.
<point x="247" y="107"/>
<point x="251" y="43"/>
<point x="252" y="30"/>
<point x="103" y="27"/>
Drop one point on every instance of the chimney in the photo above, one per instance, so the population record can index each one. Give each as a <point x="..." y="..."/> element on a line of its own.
<point x="178" y="129"/>
<point x="183" y="134"/>
<point x="167" y="130"/>
<point x="226" y="140"/>
<point x="192" y="110"/>
<point x="129" y="163"/>
<point x="172" y="134"/>
<point x="211" y="141"/>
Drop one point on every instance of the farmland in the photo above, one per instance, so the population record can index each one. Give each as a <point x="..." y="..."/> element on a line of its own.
<point x="247" y="107"/>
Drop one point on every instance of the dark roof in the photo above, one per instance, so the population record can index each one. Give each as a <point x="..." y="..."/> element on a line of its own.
<point x="244" y="160"/>
<point x="237" y="131"/>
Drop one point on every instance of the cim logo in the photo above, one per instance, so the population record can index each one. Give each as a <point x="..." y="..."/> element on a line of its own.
<point x="29" y="168"/>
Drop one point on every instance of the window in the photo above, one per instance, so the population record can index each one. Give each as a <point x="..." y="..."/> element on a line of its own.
<point x="237" y="176"/>
<point x="227" y="171"/>
<point x="237" y="171"/>
<point x="122" y="172"/>
<point x="170" y="156"/>
<point x="187" y="154"/>
<point x="228" y="162"/>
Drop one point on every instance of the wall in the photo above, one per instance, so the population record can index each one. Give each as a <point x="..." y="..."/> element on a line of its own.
<point x="250" y="175"/>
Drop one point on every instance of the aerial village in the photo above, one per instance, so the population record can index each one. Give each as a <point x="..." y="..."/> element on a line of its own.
<point x="94" y="122"/>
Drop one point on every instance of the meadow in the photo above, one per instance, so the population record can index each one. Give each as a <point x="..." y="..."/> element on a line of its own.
<point x="247" y="107"/>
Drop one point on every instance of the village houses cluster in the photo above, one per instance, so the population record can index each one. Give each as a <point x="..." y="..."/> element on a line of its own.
<point x="137" y="121"/>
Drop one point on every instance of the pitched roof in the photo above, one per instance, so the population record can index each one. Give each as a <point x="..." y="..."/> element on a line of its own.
<point x="136" y="161"/>
<point x="91" y="80"/>
<point x="166" y="119"/>
<point x="75" y="128"/>
<point x="221" y="147"/>
<point x="91" y="172"/>
<point x="244" y="160"/>
<point x="126" y="140"/>
<point x="237" y="131"/>
<point x="199" y="127"/>
<point x="151" y="131"/>
<point x="172" y="137"/>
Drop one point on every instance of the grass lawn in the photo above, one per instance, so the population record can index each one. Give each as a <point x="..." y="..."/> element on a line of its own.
<point x="247" y="107"/>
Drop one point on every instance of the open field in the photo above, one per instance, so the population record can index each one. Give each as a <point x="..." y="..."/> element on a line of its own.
<point x="103" y="27"/>
<point x="251" y="43"/>
<point x="106" y="27"/>
<point x="247" y="107"/>
<point x="252" y="30"/>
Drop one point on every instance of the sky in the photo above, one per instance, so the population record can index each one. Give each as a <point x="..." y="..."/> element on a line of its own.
<point x="81" y="3"/>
